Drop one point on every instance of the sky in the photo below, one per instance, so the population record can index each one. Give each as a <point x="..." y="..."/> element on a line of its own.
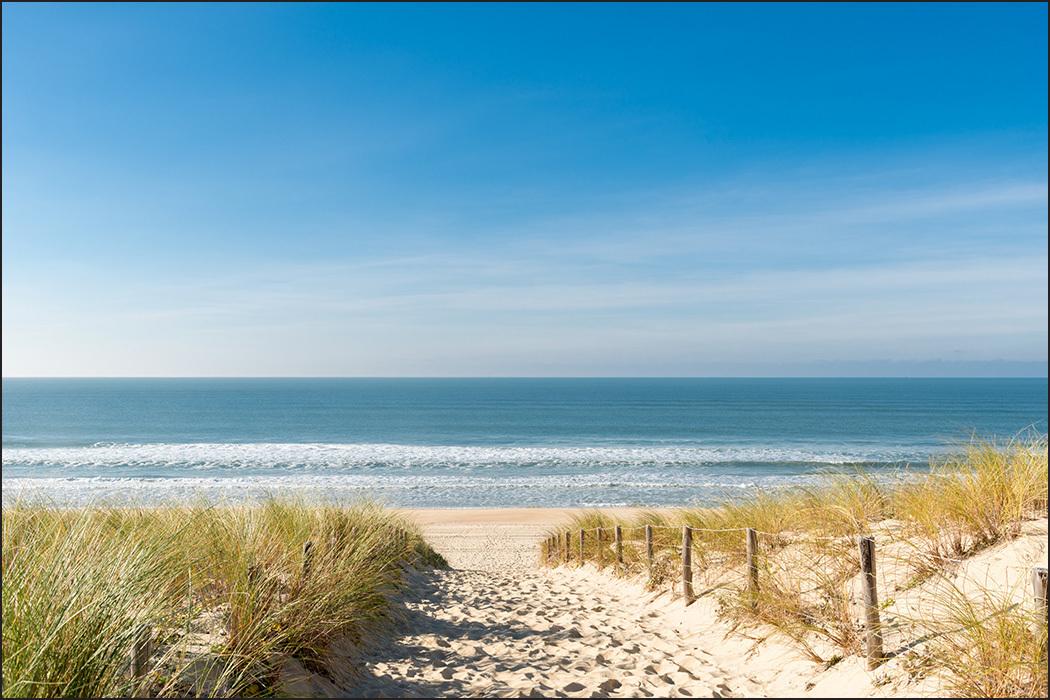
<point x="525" y="190"/>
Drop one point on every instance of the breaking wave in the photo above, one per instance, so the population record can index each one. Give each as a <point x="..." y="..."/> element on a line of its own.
<point x="354" y="457"/>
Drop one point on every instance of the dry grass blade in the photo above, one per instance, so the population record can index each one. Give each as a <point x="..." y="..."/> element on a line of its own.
<point x="226" y="589"/>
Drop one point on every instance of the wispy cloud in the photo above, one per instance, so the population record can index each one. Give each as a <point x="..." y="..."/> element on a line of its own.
<point x="676" y="280"/>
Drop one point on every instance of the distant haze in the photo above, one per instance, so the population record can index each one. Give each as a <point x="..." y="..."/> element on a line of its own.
<point x="581" y="190"/>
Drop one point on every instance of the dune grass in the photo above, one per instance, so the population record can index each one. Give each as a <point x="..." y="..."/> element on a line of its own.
<point x="973" y="500"/>
<point x="925" y="523"/>
<point x="228" y="592"/>
<point x="991" y="646"/>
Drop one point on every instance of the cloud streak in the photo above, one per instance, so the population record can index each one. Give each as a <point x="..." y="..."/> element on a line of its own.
<point x="673" y="282"/>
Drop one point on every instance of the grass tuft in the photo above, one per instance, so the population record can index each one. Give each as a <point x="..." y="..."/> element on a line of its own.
<point x="230" y="592"/>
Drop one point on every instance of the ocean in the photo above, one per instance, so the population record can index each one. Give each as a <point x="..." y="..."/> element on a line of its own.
<point x="484" y="442"/>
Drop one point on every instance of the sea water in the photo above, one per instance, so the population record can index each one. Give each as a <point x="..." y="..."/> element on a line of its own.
<point x="485" y="442"/>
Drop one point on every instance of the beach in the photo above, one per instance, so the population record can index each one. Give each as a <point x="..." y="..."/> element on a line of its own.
<point x="496" y="625"/>
<point x="393" y="538"/>
<point x="491" y="539"/>
<point x="314" y="600"/>
<point x="467" y="350"/>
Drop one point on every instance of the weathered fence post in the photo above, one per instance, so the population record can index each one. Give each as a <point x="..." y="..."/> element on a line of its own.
<point x="598" y="541"/>
<point x="618" y="534"/>
<point x="649" y="546"/>
<point x="752" y="566"/>
<point x="687" y="564"/>
<point x="565" y="548"/>
<point x="583" y="535"/>
<point x="871" y="601"/>
<point x="141" y="651"/>
<point x="308" y="556"/>
<point x="1039" y="588"/>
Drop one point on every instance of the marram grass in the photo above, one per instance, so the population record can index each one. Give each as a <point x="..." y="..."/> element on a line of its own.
<point x="228" y="592"/>
<point x="925" y="523"/>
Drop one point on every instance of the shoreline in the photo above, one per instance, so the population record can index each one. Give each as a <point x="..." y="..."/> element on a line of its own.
<point x="526" y="515"/>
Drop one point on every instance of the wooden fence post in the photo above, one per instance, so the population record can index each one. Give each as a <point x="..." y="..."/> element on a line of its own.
<point x="141" y="651"/>
<point x="583" y="535"/>
<point x="598" y="541"/>
<point x="687" y="564"/>
<point x="565" y="548"/>
<point x="752" y="566"/>
<point x="1039" y="588"/>
<point x="649" y="546"/>
<point x="618" y="534"/>
<point x="871" y="601"/>
<point x="308" y="557"/>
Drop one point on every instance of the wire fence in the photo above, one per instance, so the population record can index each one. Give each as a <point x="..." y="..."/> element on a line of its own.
<point x="829" y="584"/>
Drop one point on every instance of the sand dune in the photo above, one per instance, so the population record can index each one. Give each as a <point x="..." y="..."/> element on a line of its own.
<point x="496" y="625"/>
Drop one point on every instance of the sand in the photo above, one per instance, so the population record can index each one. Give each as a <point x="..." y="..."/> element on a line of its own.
<point x="533" y="633"/>
<point x="492" y="539"/>
<point x="496" y="625"/>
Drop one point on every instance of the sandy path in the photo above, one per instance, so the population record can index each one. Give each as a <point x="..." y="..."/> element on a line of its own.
<point x="504" y="628"/>
<point x="496" y="625"/>
<point x="479" y="633"/>
<point x="492" y="539"/>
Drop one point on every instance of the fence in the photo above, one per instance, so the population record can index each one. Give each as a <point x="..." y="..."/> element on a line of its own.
<point x="556" y="549"/>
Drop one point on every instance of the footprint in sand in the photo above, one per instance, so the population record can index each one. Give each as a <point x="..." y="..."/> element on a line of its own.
<point x="533" y="634"/>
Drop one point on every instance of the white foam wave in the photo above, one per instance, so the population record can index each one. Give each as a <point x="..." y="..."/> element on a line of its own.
<point x="321" y="456"/>
<point x="411" y="491"/>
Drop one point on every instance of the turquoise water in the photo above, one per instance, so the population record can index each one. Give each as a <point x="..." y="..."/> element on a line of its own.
<point x="484" y="442"/>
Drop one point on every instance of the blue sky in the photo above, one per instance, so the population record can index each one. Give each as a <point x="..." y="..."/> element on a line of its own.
<point x="524" y="190"/>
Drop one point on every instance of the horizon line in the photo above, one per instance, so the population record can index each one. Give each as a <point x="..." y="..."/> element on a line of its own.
<point x="524" y="376"/>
